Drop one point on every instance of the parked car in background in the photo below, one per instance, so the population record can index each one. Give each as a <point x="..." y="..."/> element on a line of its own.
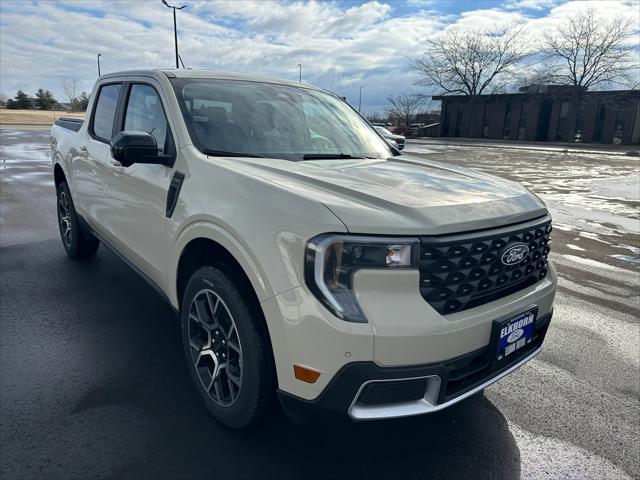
<point x="414" y="129"/>
<point x="304" y="255"/>
<point x="395" y="140"/>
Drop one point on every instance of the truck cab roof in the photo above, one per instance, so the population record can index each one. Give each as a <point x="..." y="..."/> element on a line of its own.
<point x="205" y="74"/>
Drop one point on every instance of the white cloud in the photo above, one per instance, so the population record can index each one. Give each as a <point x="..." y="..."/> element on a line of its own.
<point x="340" y="46"/>
<point x="530" y="4"/>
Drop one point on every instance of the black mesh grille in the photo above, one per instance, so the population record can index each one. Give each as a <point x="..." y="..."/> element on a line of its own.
<point x="458" y="272"/>
<point x="384" y="393"/>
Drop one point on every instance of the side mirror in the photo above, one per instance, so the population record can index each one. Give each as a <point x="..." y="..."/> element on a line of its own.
<point x="129" y="147"/>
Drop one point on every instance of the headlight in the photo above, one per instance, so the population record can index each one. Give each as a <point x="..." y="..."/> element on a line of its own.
<point x="331" y="261"/>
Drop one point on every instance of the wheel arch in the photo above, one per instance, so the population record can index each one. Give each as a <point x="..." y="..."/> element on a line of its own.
<point x="201" y="251"/>
<point x="58" y="175"/>
<point x="205" y="241"/>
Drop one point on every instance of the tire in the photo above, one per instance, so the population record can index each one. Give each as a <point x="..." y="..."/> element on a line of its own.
<point x="76" y="242"/>
<point x="228" y="354"/>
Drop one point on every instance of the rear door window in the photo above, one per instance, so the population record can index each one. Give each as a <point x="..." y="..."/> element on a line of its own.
<point x="105" y="111"/>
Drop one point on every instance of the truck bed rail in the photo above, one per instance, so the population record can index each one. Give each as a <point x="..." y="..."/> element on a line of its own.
<point x="70" y="123"/>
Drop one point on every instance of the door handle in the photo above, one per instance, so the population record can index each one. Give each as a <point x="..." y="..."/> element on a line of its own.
<point x="84" y="149"/>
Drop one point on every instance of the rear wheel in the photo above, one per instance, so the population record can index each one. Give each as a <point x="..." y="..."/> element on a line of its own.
<point x="226" y="351"/>
<point x="76" y="242"/>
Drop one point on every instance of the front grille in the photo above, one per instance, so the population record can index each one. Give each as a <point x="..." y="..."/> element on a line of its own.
<point x="458" y="272"/>
<point x="385" y="393"/>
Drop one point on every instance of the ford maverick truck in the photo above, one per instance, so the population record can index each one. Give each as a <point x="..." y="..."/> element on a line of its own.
<point x="307" y="258"/>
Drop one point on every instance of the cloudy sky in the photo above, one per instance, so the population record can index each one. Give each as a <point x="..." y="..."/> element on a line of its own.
<point x="342" y="45"/>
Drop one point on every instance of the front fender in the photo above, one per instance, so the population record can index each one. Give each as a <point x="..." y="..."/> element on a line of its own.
<point x="207" y="229"/>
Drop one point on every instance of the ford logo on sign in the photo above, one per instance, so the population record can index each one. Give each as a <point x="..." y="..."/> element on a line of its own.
<point x="515" y="335"/>
<point x="515" y="254"/>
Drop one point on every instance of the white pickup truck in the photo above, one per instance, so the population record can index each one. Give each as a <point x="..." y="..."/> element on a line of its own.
<point x="305" y="255"/>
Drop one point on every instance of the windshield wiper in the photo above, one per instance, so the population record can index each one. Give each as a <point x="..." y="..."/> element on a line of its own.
<point x="331" y="156"/>
<point x="224" y="153"/>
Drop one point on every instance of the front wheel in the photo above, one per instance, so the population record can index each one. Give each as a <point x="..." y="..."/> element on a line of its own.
<point x="77" y="243"/>
<point x="227" y="352"/>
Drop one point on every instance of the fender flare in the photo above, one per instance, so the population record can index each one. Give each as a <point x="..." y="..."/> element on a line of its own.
<point x="59" y="160"/>
<point x="208" y="229"/>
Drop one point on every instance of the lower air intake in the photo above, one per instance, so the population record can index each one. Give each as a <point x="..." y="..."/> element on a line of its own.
<point x="386" y="393"/>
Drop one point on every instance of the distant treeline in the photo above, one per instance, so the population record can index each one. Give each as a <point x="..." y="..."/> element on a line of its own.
<point x="44" y="100"/>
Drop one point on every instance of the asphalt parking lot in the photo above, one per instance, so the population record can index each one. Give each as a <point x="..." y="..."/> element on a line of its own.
<point x="93" y="385"/>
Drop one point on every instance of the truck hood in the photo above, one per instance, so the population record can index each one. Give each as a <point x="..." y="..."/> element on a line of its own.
<point x="403" y="195"/>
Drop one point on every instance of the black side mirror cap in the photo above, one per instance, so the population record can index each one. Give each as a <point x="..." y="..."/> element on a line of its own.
<point x="129" y="147"/>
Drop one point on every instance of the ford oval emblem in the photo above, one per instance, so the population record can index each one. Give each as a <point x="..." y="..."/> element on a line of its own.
<point x="515" y="253"/>
<point x="515" y="335"/>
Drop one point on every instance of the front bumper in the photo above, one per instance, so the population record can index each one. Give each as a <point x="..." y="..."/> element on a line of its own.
<point x="402" y="330"/>
<point x="408" y="391"/>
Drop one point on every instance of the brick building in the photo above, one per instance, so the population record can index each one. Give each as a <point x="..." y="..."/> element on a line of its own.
<point x="545" y="113"/>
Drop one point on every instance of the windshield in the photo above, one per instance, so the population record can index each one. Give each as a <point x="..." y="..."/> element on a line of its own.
<point x="269" y="120"/>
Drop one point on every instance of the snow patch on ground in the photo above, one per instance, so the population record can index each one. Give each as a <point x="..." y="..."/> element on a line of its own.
<point x="595" y="265"/>
<point x="585" y="220"/>
<point x="625" y="188"/>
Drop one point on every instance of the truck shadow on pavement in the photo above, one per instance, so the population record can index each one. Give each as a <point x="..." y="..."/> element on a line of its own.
<point x="123" y="406"/>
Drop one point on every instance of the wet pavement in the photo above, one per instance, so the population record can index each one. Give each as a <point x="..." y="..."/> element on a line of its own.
<point x="93" y="385"/>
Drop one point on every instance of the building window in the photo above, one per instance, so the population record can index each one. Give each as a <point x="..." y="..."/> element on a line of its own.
<point x="522" y="123"/>
<point x="562" y="122"/>
<point x="618" y="132"/>
<point x="577" y="135"/>
<point x="602" y="113"/>
<point x="485" y="121"/>
<point x="507" y="122"/>
<point x="458" y="131"/>
<point x="445" y="120"/>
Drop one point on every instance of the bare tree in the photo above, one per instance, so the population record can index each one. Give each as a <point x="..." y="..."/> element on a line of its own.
<point x="69" y="87"/>
<point x="585" y="51"/>
<point x="377" y="117"/>
<point x="469" y="62"/>
<point x="404" y="107"/>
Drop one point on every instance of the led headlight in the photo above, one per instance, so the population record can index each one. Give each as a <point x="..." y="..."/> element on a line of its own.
<point x="331" y="261"/>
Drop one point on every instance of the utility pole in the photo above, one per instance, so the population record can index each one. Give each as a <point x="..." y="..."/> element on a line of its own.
<point x="300" y="68"/>
<point x="175" y="28"/>
<point x="360" y="100"/>
<point x="99" y="55"/>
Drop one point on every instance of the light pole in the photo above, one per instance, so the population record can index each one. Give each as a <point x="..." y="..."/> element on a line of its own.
<point x="300" y="76"/>
<point x="175" y="28"/>
<point x="99" y="55"/>
<point x="360" y="100"/>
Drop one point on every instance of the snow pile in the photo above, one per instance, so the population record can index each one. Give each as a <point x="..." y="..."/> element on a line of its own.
<point x="626" y="188"/>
